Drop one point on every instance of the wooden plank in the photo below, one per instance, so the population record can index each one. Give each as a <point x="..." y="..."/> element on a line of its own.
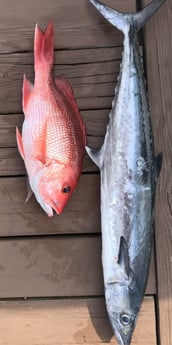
<point x="60" y="322"/>
<point x="19" y="218"/>
<point x="93" y="88"/>
<point x="53" y="266"/>
<point x="92" y="73"/>
<point x="158" y="57"/>
<point x="77" y="23"/>
<point x="95" y="121"/>
<point x="81" y="215"/>
<point x="11" y="164"/>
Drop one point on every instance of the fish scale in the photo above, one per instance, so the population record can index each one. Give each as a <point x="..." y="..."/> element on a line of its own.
<point x="128" y="171"/>
<point x="53" y="133"/>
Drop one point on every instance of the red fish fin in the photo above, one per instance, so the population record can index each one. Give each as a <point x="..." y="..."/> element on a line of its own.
<point x="27" y="90"/>
<point x="20" y="143"/>
<point x="63" y="84"/>
<point x="29" y="191"/>
<point x="84" y="133"/>
<point x="44" y="46"/>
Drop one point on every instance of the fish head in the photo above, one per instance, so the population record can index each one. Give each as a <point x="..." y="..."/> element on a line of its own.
<point x="123" y="306"/>
<point x="56" y="185"/>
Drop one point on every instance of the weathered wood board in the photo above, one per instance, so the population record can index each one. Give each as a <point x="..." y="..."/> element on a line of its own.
<point x="76" y="23"/>
<point x="92" y="73"/>
<point x="81" y="215"/>
<point x="54" y="266"/>
<point x="88" y="51"/>
<point x="61" y="322"/>
<point x="158" y="39"/>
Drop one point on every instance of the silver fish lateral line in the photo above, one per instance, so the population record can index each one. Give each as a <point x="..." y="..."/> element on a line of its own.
<point x="129" y="171"/>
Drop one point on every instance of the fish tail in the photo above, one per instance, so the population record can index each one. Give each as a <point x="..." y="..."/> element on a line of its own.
<point x="120" y="20"/>
<point x="44" y="47"/>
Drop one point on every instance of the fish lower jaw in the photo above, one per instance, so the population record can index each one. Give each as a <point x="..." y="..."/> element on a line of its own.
<point x="50" y="213"/>
<point x="48" y="210"/>
<point x="120" y="339"/>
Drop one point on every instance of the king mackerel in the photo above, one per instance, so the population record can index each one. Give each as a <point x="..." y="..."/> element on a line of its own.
<point x="129" y="171"/>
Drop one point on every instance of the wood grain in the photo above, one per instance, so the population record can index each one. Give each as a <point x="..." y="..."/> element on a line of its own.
<point x="81" y="215"/>
<point x="60" y="322"/>
<point x="93" y="82"/>
<point x="11" y="164"/>
<point x="88" y="52"/>
<point x="54" y="266"/>
<point x="95" y="121"/>
<point x="77" y="23"/>
<point x="91" y="72"/>
<point x="158" y="48"/>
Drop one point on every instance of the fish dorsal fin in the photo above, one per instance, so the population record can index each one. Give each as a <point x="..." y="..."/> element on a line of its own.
<point x="27" y="90"/>
<point x="20" y="143"/>
<point x="123" y="257"/>
<point x="63" y="84"/>
<point x="96" y="155"/>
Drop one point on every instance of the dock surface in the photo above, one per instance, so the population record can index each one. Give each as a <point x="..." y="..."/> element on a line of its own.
<point x="51" y="286"/>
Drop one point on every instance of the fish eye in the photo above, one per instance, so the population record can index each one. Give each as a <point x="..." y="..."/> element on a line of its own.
<point x="66" y="189"/>
<point x="125" y="319"/>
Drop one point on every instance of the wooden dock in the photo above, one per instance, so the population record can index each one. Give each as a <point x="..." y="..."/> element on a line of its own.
<point x="51" y="288"/>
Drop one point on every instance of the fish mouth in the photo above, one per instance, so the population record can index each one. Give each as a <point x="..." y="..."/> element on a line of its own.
<point x="52" y="207"/>
<point x="121" y="339"/>
<point x="56" y="207"/>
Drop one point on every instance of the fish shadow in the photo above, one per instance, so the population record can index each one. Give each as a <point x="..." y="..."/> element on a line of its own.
<point x="99" y="318"/>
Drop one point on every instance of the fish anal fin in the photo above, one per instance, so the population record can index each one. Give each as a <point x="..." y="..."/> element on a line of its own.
<point x="20" y="143"/>
<point x="95" y="155"/>
<point x="123" y="257"/>
<point x="27" y="90"/>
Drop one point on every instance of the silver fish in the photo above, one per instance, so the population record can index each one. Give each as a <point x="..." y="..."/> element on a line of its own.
<point x="129" y="172"/>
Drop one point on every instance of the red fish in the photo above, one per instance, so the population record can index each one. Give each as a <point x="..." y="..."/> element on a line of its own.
<point x="53" y="138"/>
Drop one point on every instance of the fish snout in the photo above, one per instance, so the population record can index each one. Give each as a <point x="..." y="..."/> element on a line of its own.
<point x="57" y="207"/>
<point x="122" y="340"/>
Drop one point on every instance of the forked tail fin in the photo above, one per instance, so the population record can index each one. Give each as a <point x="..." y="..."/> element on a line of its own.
<point x="44" y="47"/>
<point x="120" y="20"/>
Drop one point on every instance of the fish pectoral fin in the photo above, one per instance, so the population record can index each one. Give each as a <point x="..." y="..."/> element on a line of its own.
<point x="27" y="90"/>
<point x="158" y="164"/>
<point x="95" y="155"/>
<point x="123" y="257"/>
<point x="20" y="143"/>
<point x="29" y="191"/>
